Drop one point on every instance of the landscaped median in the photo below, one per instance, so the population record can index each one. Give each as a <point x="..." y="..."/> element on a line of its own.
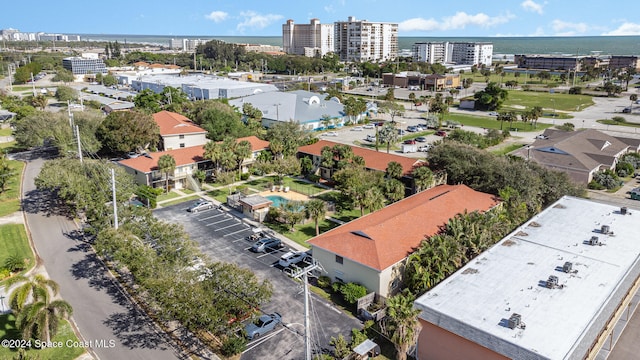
<point x="16" y="254"/>
<point x="10" y="196"/>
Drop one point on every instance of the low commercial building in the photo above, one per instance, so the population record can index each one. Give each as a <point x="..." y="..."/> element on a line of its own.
<point x="434" y="82"/>
<point x="309" y="109"/>
<point x="554" y="288"/>
<point x="371" y="250"/>
<point x="547" y="62"/>
<point x="84" y="65"/>
<point x="580" y="153"/>
<point x="202" y="87"/>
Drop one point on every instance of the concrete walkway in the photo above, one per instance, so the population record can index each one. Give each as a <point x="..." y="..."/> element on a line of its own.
<point x="14" y="218"/>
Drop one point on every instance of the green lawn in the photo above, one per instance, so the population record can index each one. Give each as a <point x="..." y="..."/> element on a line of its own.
<point x="344" y="212"/>
<point x="302" y="186"/>
<point x="523" y="79"/>
<point x="187" y="191"/>
<point x="560" y="102"/>
<point x="5" y="132"/>
<point x="503" y="150"/>
<point x="613" y="122"/>
<point x="65" y="335"/>
<point x="14" y="241"/>
<point x="10" y="197"/>
<point x="180" y="200"/>
<point x="167" y="196"/>
<point x="303" y="232"/>
<point x="492" y="123"/>
<point x="219" y="194"/>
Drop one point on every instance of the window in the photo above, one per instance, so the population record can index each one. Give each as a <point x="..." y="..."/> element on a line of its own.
<point x="181" y="145"/>
<point x="181" y="136"/>
<point x="339" y="259"/>
<point x="338" y="275"/>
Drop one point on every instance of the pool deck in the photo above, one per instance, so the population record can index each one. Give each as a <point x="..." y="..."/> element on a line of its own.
<point x="290" y="195"/>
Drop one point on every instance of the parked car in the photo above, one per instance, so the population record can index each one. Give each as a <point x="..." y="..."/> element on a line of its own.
<point x="410" y="142"/>
<point x="412" y="129"/>
<point x="425" y="148"/>
<point x="368" y="126"/>
<point x="132" y="155"/>
<point x="626" y="110"/>
<point x="371" y="138"/>
<point x="493" y="113"/>
<point x="330" y="133"/>
<point x="291" y="258"/>
<point x="200" y="204"/>
<point x="441" y="133"/>
<point x="357" y="128"/>
<point x="421" y="139"/>
<point x="266" y="244"/>
<point x="401" y="132"/>
<point x="263" y="325"/>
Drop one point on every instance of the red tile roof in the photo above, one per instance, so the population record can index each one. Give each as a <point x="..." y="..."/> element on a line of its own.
<point x="184" y="156"/>
<point x="385" y="237"/>
<point x="171" y="123"/>
<point x="375" y="160"/>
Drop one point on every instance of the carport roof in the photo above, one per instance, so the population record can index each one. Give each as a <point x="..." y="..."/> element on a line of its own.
<point x="385" y="237"/>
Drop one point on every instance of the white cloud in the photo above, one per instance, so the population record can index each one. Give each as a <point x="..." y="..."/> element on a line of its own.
<point x="257" y="21"/>
<point x="532" y="6"/>
<point x="563" y="28"/>
<point x="329" y="9"/>
<point x="217" y="16"/>
<point x="626" y="28"/>
<point x="458" y="21"/>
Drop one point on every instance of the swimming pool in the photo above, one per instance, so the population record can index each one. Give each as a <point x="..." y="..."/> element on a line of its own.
<point x="277" y="200"/>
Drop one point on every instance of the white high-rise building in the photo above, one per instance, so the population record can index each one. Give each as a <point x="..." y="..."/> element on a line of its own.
<point x="186" y="45"/>
<point x="308" y="39"/>
<point x="473" y="53"/>
<point x="470" y="53"/>
<point x="431" y="52"/>
<point x="362" y="40"/>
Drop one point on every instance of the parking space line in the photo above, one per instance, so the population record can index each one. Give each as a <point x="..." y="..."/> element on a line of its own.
<point x="226" y="227"/>
<point x="217" y="222"/>
<point x="235" y="232"/>
<point x="263" y="339"/>
<point x="210" y="217"/>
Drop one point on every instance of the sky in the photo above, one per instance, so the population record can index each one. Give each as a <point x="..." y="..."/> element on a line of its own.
<point x="465" y="18"/>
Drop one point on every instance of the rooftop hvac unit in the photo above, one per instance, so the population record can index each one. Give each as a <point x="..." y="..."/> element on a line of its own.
<point x="567" y="267"/>
<point x="594" y="241"/>
<point x="605" y="229"/>
<point x="552" y="282"/>
<point x="623" y="210"/>
<point x="515" y="321"/>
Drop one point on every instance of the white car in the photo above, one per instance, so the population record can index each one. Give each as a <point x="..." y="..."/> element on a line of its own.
<point x="425" y="148"/>
<point x="291" y="258"/>
<point x="369" y="126"/>
<point x="493" y="113"/>
<point x="330" y="133"/>
<point x="357" y="128"/>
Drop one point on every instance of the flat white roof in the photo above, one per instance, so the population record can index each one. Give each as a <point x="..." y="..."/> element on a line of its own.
<point x="202" y="81"/>
<point x="477" y="301"/>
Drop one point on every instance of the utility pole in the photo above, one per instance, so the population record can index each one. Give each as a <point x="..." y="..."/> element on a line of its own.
<point x="79" y="146"/>
<point x="113" y="199"/>
<point x="307" y="330"/>
<point x="33" y="85"/>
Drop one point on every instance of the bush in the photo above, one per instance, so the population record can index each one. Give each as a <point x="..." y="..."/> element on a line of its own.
<point x="607" y="178"/>
<point x="233" y="345"/>
<point x="352" y="292"/>
<point x="244" y="176"/>
<point x="313" y="178"/>
<point x="619" y="119"/>
<point x="624" y="169"/>
<point x="4" y="273"/>
<point x="576" y="90"/>
<point x="567" y="127"/>
<point x="633" y="159"/>
<point x="14" y="263"/>
<point x="593" y="185"/>
<point x="324" y="282"/>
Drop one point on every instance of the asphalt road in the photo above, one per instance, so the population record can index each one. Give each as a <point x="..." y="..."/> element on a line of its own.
<point x="222" y="238"/>
<point x="101" y="310"/>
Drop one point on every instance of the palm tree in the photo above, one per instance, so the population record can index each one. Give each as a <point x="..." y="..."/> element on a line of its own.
<point x="388" y="134"/>
<point x="241" y="151"/>
<point x="42" y="318"/>
<point x="315" y="209"/>
<point x="213" y="151"/>
<point x="166" y="165"/>
<point x="393" y="190"/>
<point x="401" y="324"/>
<point x="633" y="98"/>
<point x="394" y="170"/>
<point x="373" y="199"/>
<point x="422" y="177"/>
<point x="30" y="289"/>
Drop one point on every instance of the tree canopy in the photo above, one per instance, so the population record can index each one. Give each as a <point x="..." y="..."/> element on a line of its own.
<point x="125" y="131"/>
<point x="491" y="98"/>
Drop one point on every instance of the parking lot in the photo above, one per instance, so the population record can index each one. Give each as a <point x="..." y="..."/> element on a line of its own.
<point x="222" y="237"/>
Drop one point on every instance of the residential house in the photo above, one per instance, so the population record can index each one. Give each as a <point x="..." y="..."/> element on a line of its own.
<point x="580" y="153"/>
<point x="177" y="131"/>
<point x="372" y="250"/>
<point x="373" y="160"/>
<point x="307" y="108"/>
<point x="188" y="159"/>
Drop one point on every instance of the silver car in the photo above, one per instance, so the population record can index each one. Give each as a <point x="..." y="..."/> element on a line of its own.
<point x="266" y="244"/>
<point x="200" y="204"/>
<point x="263" y="325"/>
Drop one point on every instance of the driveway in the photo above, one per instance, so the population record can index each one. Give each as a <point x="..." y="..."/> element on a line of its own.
<point x="221" y="236"/>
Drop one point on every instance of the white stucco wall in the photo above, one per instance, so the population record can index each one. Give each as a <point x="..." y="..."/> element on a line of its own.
<point x="174" y="141"/>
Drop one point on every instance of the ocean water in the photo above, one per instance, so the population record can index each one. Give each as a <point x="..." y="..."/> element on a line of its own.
<point x="576" y="45"/>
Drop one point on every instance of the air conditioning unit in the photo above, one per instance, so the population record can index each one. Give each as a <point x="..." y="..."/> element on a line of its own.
<point x="552" y="282"/>
<point x="514" y="320"/>
<point x="567" y="267"/>
<point x="623" y="210"/>
<point x="605" y="229"/>
<point x="594" y="240"/>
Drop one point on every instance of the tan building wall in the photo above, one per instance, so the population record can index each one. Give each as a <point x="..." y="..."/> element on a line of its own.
<point x="350" y="271"/>
<point x="173" y="141"/>
<point x="435" y="343"/>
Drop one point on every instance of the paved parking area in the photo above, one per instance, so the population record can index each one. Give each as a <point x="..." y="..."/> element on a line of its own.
<point x="221" y="236"/>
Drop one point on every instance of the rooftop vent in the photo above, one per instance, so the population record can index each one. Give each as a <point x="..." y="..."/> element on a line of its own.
<point x="568" y="268"/>
<point x="552" y="283"/>
<point x="594" y="241"/>
<point x="623" y="210"/>
<point x="605" y="229"/>
<point x="515" y="321"/>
